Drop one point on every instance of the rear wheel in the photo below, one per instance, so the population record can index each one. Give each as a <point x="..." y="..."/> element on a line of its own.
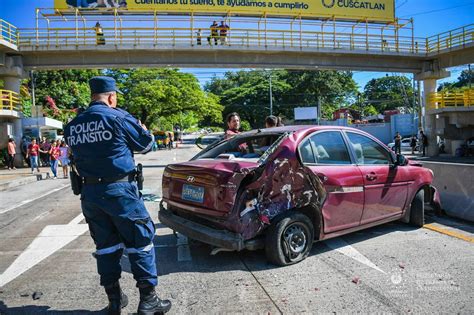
<point x="417" y="209"/>
<point x="289" y="240"/>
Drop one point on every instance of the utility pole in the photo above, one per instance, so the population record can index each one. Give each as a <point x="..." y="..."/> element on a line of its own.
<point x="469" y="74"/>
<point x="271" y="94"/>
<point x="33" y="101"/>
<point x="420" y="104"/>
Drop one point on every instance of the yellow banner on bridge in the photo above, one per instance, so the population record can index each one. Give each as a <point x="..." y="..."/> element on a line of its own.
<point x="372" y="10"/>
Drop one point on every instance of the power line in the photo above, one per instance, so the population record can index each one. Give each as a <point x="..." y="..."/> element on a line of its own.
<point x="438" y="10"/>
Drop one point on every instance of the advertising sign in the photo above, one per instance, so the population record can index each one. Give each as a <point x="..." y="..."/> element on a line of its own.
<point x="372" y="10"/>
<point x="306" y="113"/>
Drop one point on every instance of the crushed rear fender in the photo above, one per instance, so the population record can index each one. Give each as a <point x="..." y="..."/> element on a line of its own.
<point x="279" y="185"/>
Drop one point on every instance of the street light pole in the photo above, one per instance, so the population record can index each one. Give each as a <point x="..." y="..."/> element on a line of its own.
<point x="33" y="101"/>
<point x="271" y="94"/>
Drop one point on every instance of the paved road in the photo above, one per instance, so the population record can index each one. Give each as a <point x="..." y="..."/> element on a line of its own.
<point x="45" y="248"/>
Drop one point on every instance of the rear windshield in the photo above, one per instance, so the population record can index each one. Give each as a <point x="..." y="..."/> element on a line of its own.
<point x="250" y="147"/>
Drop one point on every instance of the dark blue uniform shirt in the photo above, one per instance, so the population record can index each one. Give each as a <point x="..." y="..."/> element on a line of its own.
<point x="102" y="140"/>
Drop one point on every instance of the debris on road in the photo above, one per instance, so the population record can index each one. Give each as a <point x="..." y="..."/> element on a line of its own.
<point x="356" y="280"/>
<point x="37" y="295"/>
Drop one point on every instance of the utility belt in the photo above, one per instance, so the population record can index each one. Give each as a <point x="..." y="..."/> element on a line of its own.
<point x="78" y="181"/>
<point x="107" y="180"/>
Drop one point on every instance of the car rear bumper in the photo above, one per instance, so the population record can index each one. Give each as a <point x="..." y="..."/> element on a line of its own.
<point x="205" y="234"/>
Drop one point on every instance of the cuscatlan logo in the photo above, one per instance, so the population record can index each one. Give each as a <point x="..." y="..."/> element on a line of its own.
<point x="328" y="3"/>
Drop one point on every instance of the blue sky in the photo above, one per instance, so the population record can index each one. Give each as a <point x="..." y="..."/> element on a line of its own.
<point x="430" y="17"/>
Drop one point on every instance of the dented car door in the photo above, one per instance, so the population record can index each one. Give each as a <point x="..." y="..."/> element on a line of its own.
<point x="326" y="155"/>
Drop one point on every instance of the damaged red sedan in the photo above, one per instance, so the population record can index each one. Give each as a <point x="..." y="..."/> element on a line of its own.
<point x="284" y="188"/>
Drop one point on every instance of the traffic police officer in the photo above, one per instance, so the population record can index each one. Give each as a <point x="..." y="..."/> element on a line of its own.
<point x="102" y="139"/>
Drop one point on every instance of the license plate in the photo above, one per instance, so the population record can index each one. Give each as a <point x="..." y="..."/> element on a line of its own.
<point x="193" y="193"/>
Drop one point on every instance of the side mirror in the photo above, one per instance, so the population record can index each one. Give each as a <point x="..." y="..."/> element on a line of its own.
<point x="401" y="160"/>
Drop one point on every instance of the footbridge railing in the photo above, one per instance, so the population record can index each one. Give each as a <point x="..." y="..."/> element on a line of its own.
<point x="9" y="100"/>
<point x="8" y="32"/>
<point x="458" y="37"/>
<point x="126" y="36"/>
<point x="449" y="99"/>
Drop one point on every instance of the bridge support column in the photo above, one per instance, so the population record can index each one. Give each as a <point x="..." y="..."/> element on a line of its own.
<point x="429" y="79"/>
<point x="11" y="74"/>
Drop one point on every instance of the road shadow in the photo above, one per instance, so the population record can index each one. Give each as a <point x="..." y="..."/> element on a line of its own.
<point x="41" y="309"/>
<point x="169" y="261"/>
<point x="451" y="222"/>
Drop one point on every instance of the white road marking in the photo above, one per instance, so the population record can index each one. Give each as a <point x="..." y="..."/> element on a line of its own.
<point x="51" y="239"/>
<point x="184" y="254"/>
<point x="76" y="220"/>
<point x="42" y="215"/>
<point x="344" y="248"/>
<point x="24" y="202"/>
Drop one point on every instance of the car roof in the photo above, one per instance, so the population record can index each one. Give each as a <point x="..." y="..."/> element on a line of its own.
<point x="295" y="128"/>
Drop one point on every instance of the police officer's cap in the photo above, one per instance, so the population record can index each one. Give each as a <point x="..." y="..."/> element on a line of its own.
<point x="103" y="84"/>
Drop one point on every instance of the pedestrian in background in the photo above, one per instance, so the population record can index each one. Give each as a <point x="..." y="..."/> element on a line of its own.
<point x="64" y="158"/>
<point x="99" y="34"/>
<point x="11" y="150"/>
<point x="271" y="121"/>
<point x="198" y="37"/>
<point x="214" y="32"/>
<point x="233" y="125"/>
<point x="413" y="144"/>
<point x="223" y="28"/>
<point x="45" y="146"/>
<point x="423" y="141"/>
<point x="32" y="154"/>
<point x="110" y="200"/>
<point x="25" y="142"/>
<point x="398" y="143"/>
<point x="54" y="154"/>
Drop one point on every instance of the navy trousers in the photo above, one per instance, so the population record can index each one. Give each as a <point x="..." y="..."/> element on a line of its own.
<point x="118" y="220"/>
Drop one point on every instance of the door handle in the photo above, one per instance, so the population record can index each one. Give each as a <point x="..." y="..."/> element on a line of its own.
<point x="371" y="176"/>
<point x="322" y="177"/>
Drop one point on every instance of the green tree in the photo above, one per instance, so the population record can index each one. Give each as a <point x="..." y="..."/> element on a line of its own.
<point x="161" y="98"/>
<point x="465" y="79"/>
<point x="247" y="92"/>
<point x="390" y="92"/>
<point x="68" y="88"/>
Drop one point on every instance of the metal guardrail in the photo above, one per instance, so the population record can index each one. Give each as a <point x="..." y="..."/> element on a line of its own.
<point x="458" y="37"/>
<point x="451" y="99"/>
<point x="8" y="32"/>
<point x="10" y="100"/>
<point x="64" y="37"/>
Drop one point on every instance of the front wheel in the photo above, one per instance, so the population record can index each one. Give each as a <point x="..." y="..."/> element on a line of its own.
<point x="289" y="240"/>
<point x="417" y="209"/>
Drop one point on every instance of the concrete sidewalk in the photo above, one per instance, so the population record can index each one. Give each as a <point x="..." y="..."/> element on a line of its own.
<point x="21" y="176"/>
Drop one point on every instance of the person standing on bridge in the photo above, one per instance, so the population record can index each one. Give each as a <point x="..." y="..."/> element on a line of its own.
<point x="198" y="37"/>
<point x="224" y="28"/>
<point x="103" y="139"/>
<point x="214" y="32"/>
<point x="99" y="34"/>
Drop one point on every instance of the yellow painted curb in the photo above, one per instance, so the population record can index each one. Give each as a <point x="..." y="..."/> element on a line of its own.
<point x="450" y="233"/>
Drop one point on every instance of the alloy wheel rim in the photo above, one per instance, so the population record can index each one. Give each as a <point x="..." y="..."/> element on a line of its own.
<point x="295" y="240"/>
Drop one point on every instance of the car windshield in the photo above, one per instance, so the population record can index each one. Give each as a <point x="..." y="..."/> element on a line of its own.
<point x="250" y="147"/>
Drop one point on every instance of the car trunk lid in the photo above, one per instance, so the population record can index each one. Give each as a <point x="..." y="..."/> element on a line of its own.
<point x="206" y="186"/>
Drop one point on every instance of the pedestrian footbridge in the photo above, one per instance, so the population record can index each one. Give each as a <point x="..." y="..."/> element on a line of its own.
<point x="68" y="39"/>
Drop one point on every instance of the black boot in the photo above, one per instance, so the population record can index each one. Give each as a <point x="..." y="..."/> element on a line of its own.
<point x="151" y="304"/>
<point x="117" y="299"/>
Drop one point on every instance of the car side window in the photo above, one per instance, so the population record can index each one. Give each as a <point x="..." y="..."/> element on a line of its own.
<point x="306" y="152"/>
<point x="368" y="151"/>
<point x="329" y="148"/>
